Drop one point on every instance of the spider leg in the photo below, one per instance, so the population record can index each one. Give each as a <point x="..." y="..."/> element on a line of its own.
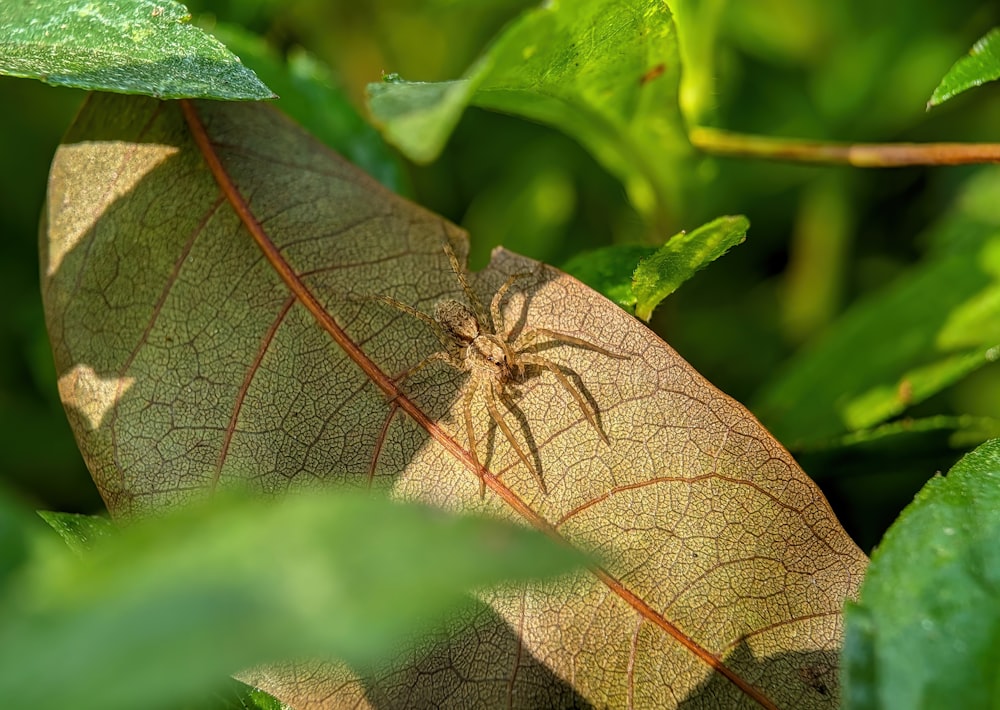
<point x="419" y="315"/>
<point x="470" y="295"/>
<point x="470" y="432"/>
<point x="526" y="341"/>
<point x="540" y="361"/>
<point x="491" y="405"/>
<point x="496" y="316"/>
<point x="440" y="355"/>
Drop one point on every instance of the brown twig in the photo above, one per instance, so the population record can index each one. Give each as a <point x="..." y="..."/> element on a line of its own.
<point x="860" y="155"/>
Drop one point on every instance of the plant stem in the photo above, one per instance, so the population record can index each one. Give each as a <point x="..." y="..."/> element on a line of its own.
<point x="860" y="155"/>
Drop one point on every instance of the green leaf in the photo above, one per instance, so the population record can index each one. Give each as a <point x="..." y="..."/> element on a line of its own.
<point x="638" y="278"/>
<point x="684" y="254"/>
<point x="310" y="94"/>
<point x="124" y="46"/>
<point x="926" y="631"/>
<point x="168" y="607"/>
<point x="968" y="430"/>
<point x="980" y="65"/>
<point x="898" y="347"/>
<point x="605" y="73"/>
<point x="15" y="539"/>
<point x="80" y="532"/>
<point x="609" y="270"/>
<point x="234" y="695"/>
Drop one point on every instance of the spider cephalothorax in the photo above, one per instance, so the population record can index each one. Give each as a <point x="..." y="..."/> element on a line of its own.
<point x="479" y="344"/>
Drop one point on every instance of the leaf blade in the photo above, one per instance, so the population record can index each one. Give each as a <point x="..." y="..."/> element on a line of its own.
<point x="981" y="65"/>
<point x="924" y="632"/>
<point x="335" y="239"/>
<point x="607" y="75"/>
<point x="231" y="584"/>
<point x="126" y="46"/>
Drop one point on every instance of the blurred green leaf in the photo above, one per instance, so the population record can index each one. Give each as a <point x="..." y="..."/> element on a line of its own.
<point x="980" y="65"/>
<point x="605" y="73"/>
<point x="926" y="631"/>
<point x="698" y="23"/>
<point x="967" y="430"/>
<point x="922" y="333"/>
<point x="79" y="532"/>
<point x="168" y="607"/>
<point x="310" y="94"/>
<point x="14" y="538"/>
<point x="124" y="46"/>
<point x="639" y="278"/>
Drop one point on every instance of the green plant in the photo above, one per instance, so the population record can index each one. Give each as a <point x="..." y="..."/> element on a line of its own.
<point x="212" y="277"/>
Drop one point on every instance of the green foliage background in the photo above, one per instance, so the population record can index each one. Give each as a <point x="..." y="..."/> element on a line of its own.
<point x="820" y="238"/>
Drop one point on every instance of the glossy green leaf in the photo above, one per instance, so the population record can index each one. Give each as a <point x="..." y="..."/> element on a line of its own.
<point x="922" y="333"/>
<point x="926" y="631"/>
<point x="309" y="93"/>
<point x="605" y="73"/>
<point x="80" y="532"/>
<point x="980" y="65"/>
<point x="124" y="46"/>
<point x="639" y="278"/>
<point x="170" y="606"/>
<point x="684" y="254"/>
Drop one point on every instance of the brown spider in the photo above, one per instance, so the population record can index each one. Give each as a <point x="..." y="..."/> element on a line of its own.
<point x="482" y="347"/>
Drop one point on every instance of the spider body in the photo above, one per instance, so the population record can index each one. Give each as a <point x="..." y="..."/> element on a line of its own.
<point x="480" y="345"/>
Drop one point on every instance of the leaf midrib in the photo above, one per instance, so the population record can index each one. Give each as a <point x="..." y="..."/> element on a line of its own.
<point x="385" y="383"/>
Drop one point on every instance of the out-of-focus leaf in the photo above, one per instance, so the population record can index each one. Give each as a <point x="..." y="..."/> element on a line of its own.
<point x="639" y="278"/>
<point x="248" y="345"/>
<point x="80" y="532"/>
<point x="309" y="93"/>
<point x="982" y="64"/>
<point x="896" y="348"/>
<point x="124" y="46"/>
<point x="605" y="73"/>
<point x="926" y="631"/>
<point x="684" y="254"/>
<point x="14" y="538"/>
<point x="967" y="430"/>
<point x="698" y="24"/>
<point x="169" y="606"/>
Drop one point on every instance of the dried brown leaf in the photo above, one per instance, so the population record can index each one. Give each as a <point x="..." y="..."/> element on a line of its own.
<point x="208" y="277"/>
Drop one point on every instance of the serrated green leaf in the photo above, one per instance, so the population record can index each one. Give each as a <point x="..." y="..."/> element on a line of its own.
<point x="123" y="46"/>
<point x="680" y="258"/>
<point x="79" y="532"/>
<point x="926" y="631"/>
<point x="605" y="73"/>
<point x="980" y="65"/>
<point x="168" y="607"/>
<point x="638" y="278"/>
<point x="921" y="334"/>
<point x="310" y="94"/>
